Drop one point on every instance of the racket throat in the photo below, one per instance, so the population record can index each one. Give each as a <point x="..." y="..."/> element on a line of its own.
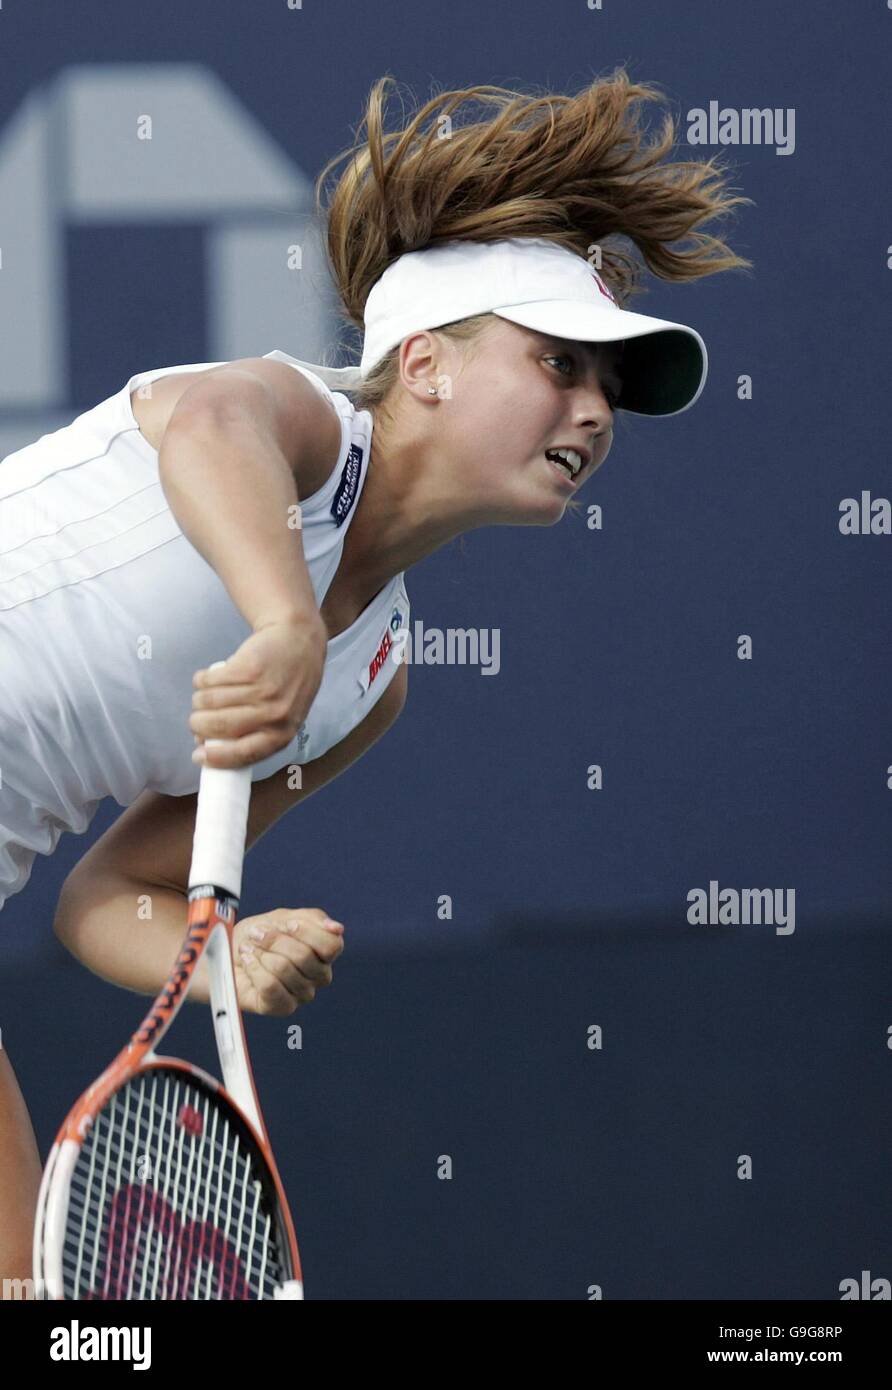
<point x="228" y="1027"/>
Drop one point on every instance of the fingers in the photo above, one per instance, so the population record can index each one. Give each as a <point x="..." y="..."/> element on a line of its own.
<point x="223" y="693"/>
<point x="293" y="960"/>
<point x="242" y="752"/>
<point x="241" y="668"/>
<point x="310" y="924"/>
<point x="251" y="706"/>
<point x="287" y="955"/>
<point x="300" y="939"/>
<point x="235" y="725"/>
<point x="228" y="711"/>
<point x="246" y="726"/>
<point x="268" y="994"/>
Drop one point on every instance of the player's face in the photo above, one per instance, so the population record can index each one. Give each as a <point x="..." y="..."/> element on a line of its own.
<point x="519" y="394"/>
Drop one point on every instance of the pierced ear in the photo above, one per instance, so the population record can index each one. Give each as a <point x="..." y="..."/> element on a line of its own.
<point x="417" y="365"/>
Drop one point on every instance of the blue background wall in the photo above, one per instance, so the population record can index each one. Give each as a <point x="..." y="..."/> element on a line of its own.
<point x="467" y="1037"/>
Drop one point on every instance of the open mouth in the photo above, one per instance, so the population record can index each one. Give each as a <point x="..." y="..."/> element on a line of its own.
<point x="567" y="459"/>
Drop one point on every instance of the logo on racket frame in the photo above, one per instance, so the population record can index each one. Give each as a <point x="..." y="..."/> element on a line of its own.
<point x="198" y="932"/>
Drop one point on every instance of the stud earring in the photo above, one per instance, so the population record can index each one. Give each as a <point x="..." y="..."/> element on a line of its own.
<point x="432" y="390"/>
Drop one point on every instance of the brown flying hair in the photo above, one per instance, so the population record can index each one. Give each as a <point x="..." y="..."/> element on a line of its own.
<point x="578" y="170"/>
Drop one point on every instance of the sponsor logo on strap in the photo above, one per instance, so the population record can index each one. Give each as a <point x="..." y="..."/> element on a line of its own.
<point x="346" y="494"/>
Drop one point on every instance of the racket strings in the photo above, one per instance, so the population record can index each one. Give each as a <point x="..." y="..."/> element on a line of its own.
<point x="171" y="1199"/>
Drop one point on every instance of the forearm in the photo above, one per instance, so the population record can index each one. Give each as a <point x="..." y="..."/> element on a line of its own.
<point x="233" y="494"/>
<point x="127" y="932"/>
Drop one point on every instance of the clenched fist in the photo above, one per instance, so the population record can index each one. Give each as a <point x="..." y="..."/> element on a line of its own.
<point x="282" y="957"/>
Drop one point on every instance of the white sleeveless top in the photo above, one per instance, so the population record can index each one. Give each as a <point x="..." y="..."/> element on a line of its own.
<point x="107" y="610"/>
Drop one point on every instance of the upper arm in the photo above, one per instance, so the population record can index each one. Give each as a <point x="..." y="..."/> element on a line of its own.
<point x="151" y="841"/>
<point x="272" y="395"/>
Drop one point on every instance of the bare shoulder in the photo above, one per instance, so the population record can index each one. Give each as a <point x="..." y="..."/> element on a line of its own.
<point x="152" y="840"/>
<point x="302" y="418"/>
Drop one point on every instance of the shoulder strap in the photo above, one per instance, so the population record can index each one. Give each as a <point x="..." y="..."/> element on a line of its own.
<point x="336" y="378"/>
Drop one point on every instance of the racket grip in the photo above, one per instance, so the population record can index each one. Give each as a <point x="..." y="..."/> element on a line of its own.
<point x="221" y="821"/>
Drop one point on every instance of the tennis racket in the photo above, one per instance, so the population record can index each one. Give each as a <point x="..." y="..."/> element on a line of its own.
<point x="161" y="1183"/>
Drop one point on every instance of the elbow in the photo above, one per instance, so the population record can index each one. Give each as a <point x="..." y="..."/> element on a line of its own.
<point x="87" y="900"/>
<point x="70" y="910"/>
<point x="62" y="918"/>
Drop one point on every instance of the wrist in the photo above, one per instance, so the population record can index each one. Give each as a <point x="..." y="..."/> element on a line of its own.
<point x="308" y="619"/>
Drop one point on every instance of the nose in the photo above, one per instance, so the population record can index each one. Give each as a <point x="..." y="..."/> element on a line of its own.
<point x="593" y="410"/>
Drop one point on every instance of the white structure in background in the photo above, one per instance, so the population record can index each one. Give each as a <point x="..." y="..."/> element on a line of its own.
<point x="72" y="155"/>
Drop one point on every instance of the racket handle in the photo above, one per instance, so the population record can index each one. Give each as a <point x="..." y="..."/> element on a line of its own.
<point x="221" y="821"/>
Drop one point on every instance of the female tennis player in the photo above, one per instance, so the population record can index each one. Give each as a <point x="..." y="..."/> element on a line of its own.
<point x="247" y="509"/>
